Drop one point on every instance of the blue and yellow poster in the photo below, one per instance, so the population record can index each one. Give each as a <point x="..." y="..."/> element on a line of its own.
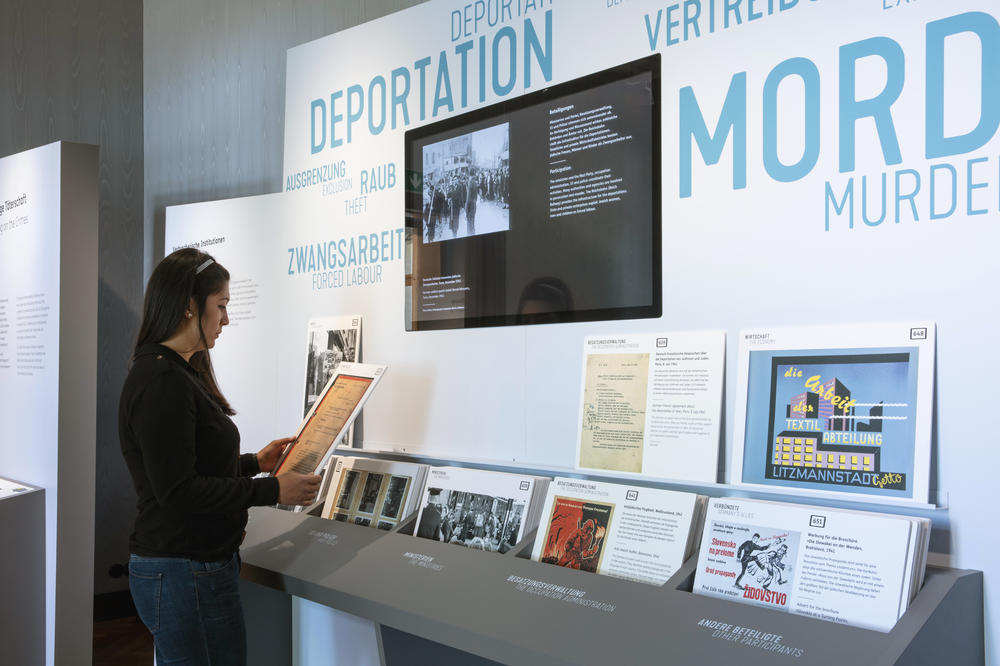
<point x="848" y="419"/>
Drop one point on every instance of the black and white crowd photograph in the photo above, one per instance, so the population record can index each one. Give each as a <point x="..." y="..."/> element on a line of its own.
<point x="467" y="185"/>
<point x="484" y="522"/>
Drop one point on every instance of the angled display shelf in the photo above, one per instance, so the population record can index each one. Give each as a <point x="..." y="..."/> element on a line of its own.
<point x="432" y="599"/>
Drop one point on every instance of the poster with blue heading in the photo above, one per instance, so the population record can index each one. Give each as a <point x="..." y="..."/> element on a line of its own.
<point x="842" y="410"/>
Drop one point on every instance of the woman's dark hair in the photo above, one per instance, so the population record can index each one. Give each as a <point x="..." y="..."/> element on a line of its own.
<point x="180" y="277"/>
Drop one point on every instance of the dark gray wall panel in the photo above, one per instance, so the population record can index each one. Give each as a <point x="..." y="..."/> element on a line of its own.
<point x="71" y="70"/>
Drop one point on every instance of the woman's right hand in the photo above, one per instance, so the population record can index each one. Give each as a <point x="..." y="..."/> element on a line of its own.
<point x="297" y="489"/>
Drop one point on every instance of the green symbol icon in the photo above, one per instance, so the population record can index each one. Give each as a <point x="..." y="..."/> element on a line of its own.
<point x="414" y="181"/>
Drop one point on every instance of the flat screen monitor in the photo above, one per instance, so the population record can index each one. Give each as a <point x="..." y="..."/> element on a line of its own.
<point x="540" y="209"/>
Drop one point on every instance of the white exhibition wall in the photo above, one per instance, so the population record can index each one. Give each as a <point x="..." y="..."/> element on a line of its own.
<point x="48" y="367"/>
<point x="823" y="162"/>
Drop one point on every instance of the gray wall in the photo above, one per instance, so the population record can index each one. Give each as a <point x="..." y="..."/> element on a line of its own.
<point x="72" y="70"/>
<point x="214" y="94"/>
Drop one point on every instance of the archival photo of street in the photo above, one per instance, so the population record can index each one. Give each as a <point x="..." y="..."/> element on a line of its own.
<point x="467" y="185"/>
<point x="331" y="341"/>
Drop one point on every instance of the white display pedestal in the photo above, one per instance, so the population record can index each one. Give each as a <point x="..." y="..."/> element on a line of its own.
<point x="22" y="577"/>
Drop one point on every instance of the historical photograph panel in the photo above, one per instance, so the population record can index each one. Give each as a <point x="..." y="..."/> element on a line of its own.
<point x="467" y="185"/>
<point x="395" y="495"/>
<point x="485" y="522"/>
<point x="347" y="489"/>
<point x="369" y="496"/>
<point x="331" y="342"/>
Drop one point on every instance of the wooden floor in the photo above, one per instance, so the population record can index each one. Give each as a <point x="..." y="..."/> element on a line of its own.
<point x="122" y="642"/>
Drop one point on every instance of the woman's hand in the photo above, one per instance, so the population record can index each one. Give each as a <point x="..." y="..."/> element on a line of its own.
<point x="268" y="456"/>
<point x="297" y="489"/>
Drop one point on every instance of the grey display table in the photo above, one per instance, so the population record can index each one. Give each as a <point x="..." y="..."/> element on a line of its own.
<point x="433" y="599"/>
<point x="22" y="577"/>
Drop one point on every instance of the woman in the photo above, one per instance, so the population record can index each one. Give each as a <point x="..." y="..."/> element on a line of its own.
<point x="194" y="487"/>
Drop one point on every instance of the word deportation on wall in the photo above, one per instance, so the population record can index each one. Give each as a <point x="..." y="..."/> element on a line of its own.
<point x="452" y="78"/>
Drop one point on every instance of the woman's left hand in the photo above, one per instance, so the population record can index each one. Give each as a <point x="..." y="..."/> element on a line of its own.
<point x="268" y="456"/>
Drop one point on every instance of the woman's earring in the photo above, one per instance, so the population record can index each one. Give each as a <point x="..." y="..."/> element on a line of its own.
<point x="187" y="314"/>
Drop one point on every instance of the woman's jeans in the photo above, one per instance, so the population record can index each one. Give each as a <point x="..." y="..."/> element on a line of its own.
<point x="192" y="608"/>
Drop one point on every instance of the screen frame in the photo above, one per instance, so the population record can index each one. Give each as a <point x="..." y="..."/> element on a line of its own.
<point x="498" y="112"/>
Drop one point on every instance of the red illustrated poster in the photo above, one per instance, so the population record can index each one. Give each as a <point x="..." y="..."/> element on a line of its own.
<point x="576" y="534"/>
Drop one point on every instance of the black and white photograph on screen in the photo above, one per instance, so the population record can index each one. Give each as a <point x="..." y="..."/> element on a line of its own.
<point x="484" y="522"/>
<point x="467" y="185"/>
<point x="331" y="342"/>
<point x="369" y="496"/>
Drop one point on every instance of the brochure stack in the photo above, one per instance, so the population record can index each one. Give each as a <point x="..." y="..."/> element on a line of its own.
<point x="851" y="567"/>
<point x="635" y="533"/>
<point x="373" y="493"/>
<point x="480" y="509"/>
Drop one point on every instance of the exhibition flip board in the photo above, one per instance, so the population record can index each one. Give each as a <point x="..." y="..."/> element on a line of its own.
<point x="848" y="567"/>
<point x="373" y="493"/>
<point x="641" y="534"/>
<point x="330" y="418"/>
<point x="837" y="410"/>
